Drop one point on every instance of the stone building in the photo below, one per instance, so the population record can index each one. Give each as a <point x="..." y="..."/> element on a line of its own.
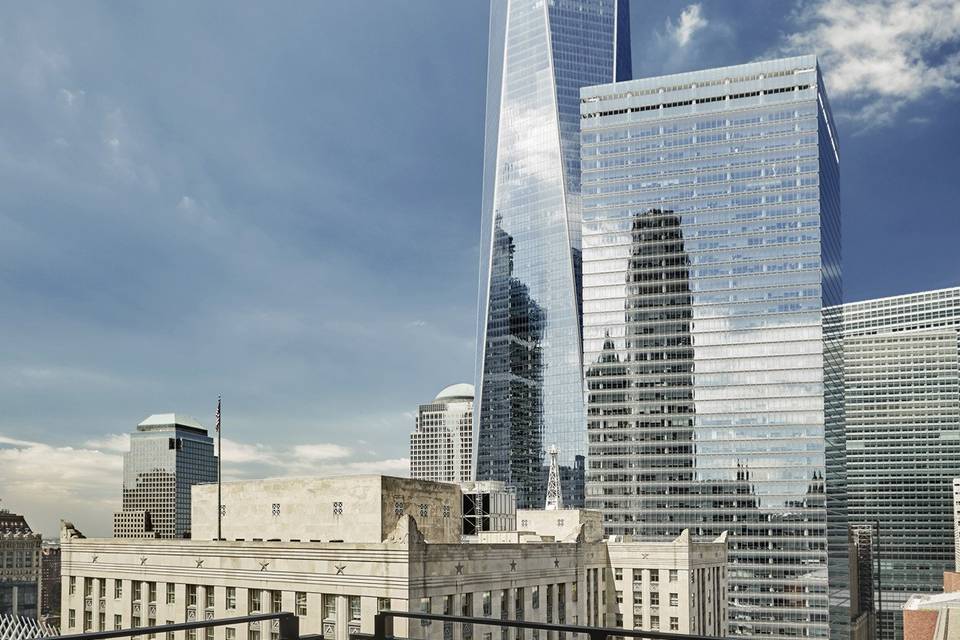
<point x="336" y="550"/>
<point x="19" y="566"/>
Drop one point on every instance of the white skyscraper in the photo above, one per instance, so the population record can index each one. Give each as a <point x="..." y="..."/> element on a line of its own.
<point x="441" y="446"/>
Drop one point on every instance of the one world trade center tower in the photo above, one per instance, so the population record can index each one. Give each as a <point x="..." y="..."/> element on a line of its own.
<point x="529" y="358"/>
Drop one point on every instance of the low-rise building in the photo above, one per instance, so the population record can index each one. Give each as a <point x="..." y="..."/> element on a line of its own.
<point x="340" y="549"/>
<point x="19" y="566"/>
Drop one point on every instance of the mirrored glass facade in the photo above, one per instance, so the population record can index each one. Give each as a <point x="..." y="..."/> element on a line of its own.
<point x="902" y="376"/>
<point x="169" y="453"/>
<point x="711" y="247"/>
<point x="529" y="366"/>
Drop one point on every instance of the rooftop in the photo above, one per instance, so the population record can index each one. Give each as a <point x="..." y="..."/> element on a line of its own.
<point x="460" y="391"/>
<point x="159" y="420"/>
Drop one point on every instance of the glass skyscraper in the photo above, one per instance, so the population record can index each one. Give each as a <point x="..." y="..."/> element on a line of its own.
<point x="169" y="453"/>
<point x="711" y="248"/>
<point x="529" y="365"/>
<point x="902" y="376"/>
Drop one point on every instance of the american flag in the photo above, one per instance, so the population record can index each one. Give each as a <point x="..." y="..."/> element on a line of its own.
<point x="218" y="414"/>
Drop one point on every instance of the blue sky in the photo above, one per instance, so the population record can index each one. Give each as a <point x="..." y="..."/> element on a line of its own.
<point x="281" y="204"/>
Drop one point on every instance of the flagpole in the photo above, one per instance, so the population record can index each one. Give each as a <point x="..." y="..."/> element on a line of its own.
<point x="219" y="475"/>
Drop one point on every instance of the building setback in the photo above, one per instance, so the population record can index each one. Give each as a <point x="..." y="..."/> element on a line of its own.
<point x="902" y="402"/>
<point x="169" y="454"/>
<point x="389" y="543"/>
<point x="19" y="566"/>
<point x="441" y="446"/>
<point x="711" y="247"/>
<point x="529" y="376"/>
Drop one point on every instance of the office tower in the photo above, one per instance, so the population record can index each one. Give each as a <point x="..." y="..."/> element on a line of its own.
<point x="956" y="523"/>
<point x="711" y="247"/>
<point x="902" y="377"/>
<point x="441" y="446"/>
<point x="529" y="365"/>
<point x="169" y="453"/>
<point x="19" y="566"/>
<point x="50" y="583"/>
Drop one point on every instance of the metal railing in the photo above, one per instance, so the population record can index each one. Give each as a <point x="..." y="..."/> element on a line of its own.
<point x="383" y="627"/>
<point x="288" y="627"/>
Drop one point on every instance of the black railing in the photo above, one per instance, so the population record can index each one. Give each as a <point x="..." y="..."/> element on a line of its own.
<point x="383" y="627"/>
<point x="288" y="627"/>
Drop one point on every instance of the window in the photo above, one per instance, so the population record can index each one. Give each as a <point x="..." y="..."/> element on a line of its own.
<point x="117" y="589"/>
<point x="354" y="602"/>
<point x="231" y="633"/>
<point x="208" y="597"/>
<point x="654" y="598"/>
<point x="276" y="601"/>
<point x="102" y="587"/>
<point x="654" y="623"/>
<point x="171" y="593"/>
<point x="573" y="591"/>
<point x="673" y="575"/>
<point x="72" y="618"/>
<point x="137" y="590"/>
<point x="487" y="607"/>
<point x="253" y="634"/>
<point x="208" y="633"/>
<point x="253" y="600"/>
<point x="638" y="597"/>
<point x="88" y="620"/>
<point x="618" y="574"/>
<point x="135" y="621"/>
<point x="118" y="621"/>
<point x="674" y="600"/>
<point x="466" y="605"/>
<point x="275" y="509"/>
<point x="151" y="592"/>
<point x="619" y="597"/>
<point x="169" y="633"/>
<point x="191" y="595"/>
<point x="674" y="624"/>
<point x="637" y="575"/>
<point x="383" y="604"/>
<point x="618" y="620"/>
<point x="301" y="601"/>
<point x="448" y="605"/>
<point x="424" y="510"/>
<point x="73" y="583"/>
<point x="654" y="575"/>
<point x="535" y="596"/>
<point x="87" y="583"/>
<point x="329" y="607"/>
<point x="231" y="597"/>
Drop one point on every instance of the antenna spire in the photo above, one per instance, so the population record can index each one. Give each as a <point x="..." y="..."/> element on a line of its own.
<point x="554" y="494"/>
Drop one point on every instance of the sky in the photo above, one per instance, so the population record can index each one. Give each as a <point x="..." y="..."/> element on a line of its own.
<point x="280" y="203"/>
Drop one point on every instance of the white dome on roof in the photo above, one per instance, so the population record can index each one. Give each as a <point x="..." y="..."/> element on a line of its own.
<point x="456" y="391"/>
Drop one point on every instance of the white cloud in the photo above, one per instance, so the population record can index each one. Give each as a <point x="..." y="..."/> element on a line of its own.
<point x="880" y="55"/>
<point x="83" y="483"/>
<point x="317" y="452"/>
<point x="689" y="23"/>
<point x="112" y="442"/>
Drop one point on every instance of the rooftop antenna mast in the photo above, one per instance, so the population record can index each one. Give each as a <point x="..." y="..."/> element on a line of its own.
<point x="554" y="494"/>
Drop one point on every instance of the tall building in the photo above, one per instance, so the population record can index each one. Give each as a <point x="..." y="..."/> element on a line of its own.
<point x="335" y="551"/>
<point x="529" y="375"/>
<point x="50" y="583"/>
<point x="441" y="446"/>
<point x="902" y="401"/>
<point x="169" y="453"/>
<point x="19" y="566"/>
<point x="711" y="247"/>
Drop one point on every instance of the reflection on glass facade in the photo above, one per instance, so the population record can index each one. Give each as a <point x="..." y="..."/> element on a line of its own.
<point x="711" y="246"/>
<point x="902" y="375"/>
<point x="529" y="365"/>
<point x="169" y="453"/>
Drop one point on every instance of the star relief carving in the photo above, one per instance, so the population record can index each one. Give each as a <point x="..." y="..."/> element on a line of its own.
<point x="199" y="563"/>
<point x="459" y="568"/>
<point x="263" y="565"/>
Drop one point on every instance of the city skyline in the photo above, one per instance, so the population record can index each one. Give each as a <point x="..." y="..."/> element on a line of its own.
<point x="88" y="354"/>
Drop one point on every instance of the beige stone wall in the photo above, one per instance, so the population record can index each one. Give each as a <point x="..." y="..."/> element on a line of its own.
<point x="561" y="524"/>
<point x="349" y="508"/>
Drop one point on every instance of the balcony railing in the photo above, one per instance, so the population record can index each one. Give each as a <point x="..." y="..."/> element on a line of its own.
<point x="287" y="625"/>
<point x="383" y="627"/>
